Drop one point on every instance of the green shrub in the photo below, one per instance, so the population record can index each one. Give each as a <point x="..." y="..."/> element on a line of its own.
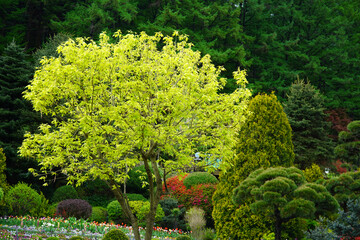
<point x="95" y="192"/>
<point x="115" y="234"/>
<point x="115" y="212"/>
<point x="63" y="193"/>
<point x="53" y="238"/>
<point x="197" y="178"/>
<point x="136" y="197"/>
<point x="76" y="238"/>
<point x="44" y="209"/>
<point x="99" y="214"/>
<point x="313" y="173"/>
<point x="184" y="237"/>
<point x="1" y="194"/>
<point x="139" y="208"/>
<point x="174" y="216"/>
<point x="22" y="200"/>
<point x="74" y="208"/>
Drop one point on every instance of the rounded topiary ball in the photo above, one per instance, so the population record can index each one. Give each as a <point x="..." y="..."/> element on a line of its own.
<point x="22" y="199"/>
<point x="63" y="193"/>
<point x="115" y="234"/>
<point x="185" y="237"/>
<point x="197" y="178"/>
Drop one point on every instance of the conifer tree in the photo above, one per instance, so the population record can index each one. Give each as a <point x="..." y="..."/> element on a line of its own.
<point x="305" y="110"/>
<point x="348" y="149"/>
<point x="15" y="112"/>
<point x="264" y="141"/>
<point x="283" y="194"/>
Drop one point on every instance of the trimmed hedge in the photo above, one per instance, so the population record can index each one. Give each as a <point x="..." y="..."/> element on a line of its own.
<point x="197" y="178"/>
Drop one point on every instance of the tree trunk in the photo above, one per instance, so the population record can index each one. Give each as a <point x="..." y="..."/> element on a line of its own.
<point x="124" y="203"/>
<point x="278" y="222"/>
<point x="154" y="196"/>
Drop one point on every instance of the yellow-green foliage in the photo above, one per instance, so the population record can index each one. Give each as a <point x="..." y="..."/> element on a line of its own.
<point x="264" y="140"/>
<point x="3" y="183"/>
<point x="313" y="173"/>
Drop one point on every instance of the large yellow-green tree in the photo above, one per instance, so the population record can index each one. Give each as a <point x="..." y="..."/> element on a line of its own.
<point x="115" y="105"/>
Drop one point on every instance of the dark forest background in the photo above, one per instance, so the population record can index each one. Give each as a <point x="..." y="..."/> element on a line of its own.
<point x="276" y="41"/>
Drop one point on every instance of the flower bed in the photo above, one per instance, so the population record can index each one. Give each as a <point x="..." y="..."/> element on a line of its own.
<point x="37" y="228"/>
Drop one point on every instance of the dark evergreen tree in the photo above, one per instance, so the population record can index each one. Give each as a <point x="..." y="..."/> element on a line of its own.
<point x="15" y="112"/>
<point x="344" y="187"/>
<point x="348" y="149"/>
<point x="49" y="49"/>
<point x="12" y="22"/>
<point x="305" y="110"/>
<point x="264" y="141"/>
<point x="312" y="39"/>
<point x="90" y="18"/>
<point x="283" y="194"/>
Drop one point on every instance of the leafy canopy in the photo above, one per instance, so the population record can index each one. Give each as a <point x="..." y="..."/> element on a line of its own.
<point x="113" y="102"/>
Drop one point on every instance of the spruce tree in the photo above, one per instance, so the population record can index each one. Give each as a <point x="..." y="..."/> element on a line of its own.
<point x="264" y="141"/>
<point x="305" y="110"/>
<point x="15" y="112"/>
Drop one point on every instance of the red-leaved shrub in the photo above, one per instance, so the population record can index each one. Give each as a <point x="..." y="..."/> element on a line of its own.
<point x="199" y="195"/>
<point x="74" y="208"/>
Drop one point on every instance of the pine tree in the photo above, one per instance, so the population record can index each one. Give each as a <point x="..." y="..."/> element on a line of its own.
<point x="15" y="112"/>
<point x="305" y="110"/>
<point x="264" y="141"/>
<point x="348" y="149"/>
<point x="283" y="194"/>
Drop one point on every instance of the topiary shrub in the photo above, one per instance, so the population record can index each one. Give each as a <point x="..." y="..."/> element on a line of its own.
<point x="136" y="197"/>
<point x="115" y="212"/>
<point x="76" y="238"/>
<point x="22" y="200"/>
<point x="197" y="178"/>
<point x="63" y="193"/>
<point x="74" y="208"/>
<point x="115" y="234"/>
<point x="95" y="192"/>
<point x="184" y="237"/>
<point x="53" y="238"/>
<point x="99" y="214"/>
